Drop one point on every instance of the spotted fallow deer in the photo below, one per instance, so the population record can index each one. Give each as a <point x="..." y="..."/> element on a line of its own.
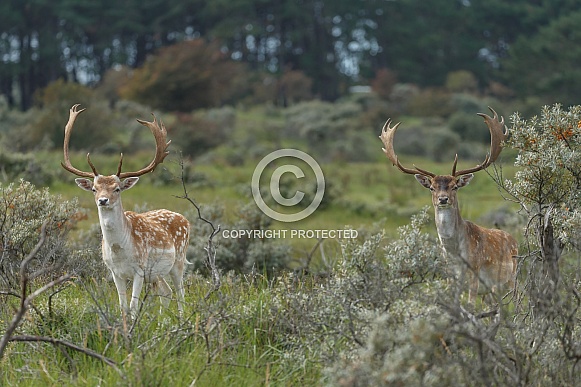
<point x="486" y="255"/>
<point x="137" y="247"/>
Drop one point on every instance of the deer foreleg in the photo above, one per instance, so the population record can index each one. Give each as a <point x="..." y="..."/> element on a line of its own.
<point x="473" y="286"/>
<point x="121" y="286"/>
<point x="137" y="286"/>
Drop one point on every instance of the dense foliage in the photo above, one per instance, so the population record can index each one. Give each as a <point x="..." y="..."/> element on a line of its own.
<point x="23" y="210"/>
<point x="330" y="43"/>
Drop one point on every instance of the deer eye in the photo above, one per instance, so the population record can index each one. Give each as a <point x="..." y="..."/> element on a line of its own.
<point x="94" y="190"/>
<point x="432" y="189"/>
<point x="117" y="189"/>
<point x="455" y="188"/>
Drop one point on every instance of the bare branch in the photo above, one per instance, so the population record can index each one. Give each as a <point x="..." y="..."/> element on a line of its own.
<point x="210" y="246"/>
<point x="58" y="343"/>
<point x="25" y="300"/>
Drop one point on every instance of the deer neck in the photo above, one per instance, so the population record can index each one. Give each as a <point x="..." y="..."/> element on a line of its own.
<point x="114" y="224"/>
<point x="450" y="227"/>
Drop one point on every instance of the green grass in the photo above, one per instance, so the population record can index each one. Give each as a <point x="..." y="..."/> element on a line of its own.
<point x="363" y="193"/>
<point x="221" y="341"/>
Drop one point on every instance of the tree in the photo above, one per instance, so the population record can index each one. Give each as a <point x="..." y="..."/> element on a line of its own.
<point x="188" y="75"/>
<point x="29" y="48"/>
<point x="551" y="59"/>
<point x="547" y="186"/>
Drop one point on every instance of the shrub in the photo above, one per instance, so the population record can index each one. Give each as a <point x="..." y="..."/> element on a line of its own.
<point x="431" y="102"/>
<point x="203" y="130"/>
<point x="547" y="187"/>
<point x="46" y="122"/>
<point x="15" y="166"/>
<point x="23" y="209"/>
<point x="384" y="82"/>
<point x="238" y="254"/>
<point x="469" y="127"/>
<point x="461" y="81"/>
<point x="402" y="95"/>
<point x="185" y="76"/>
<point x="331" y="131"/>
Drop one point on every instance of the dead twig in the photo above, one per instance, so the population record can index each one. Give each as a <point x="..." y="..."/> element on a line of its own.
<point x="210" y="246"/>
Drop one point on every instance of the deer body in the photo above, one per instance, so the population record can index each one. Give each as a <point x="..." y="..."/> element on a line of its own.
<point x="485" y="255"/>
<point x="143" y="247"/>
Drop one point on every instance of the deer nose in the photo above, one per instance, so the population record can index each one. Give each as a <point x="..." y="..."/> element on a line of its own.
<point x="443" y="200"/>
<point x="103" y="201"/>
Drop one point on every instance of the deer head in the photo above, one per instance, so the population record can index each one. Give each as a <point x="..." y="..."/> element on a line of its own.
<point x="444" y="187"/>
<point x="107" y="189"/>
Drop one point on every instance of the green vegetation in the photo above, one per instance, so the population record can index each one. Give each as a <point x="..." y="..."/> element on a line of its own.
<point x="383" y="308"/>
<point x="378" y="309"/>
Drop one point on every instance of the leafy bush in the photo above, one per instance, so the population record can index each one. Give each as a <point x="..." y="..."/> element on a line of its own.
<point x="238" y="254"/>
<point x="469" y="103"/>
<point x="547" y="188"/>
<point x="23" y="209"/>
<point x="330" y="131"/>
<point x="469" y="127"/>
<point x="432" y="102"/>
<point x="15" y="166"/>
<point x="402" y="95"/>
<point x="203" y="130"/>
<point x="461" y="81"/>
<point x="384" y="82"/>
<point x="44" y="128"/>
<point x="185" y="76"/>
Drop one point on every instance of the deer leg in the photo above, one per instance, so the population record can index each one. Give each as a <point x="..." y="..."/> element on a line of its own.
<point x="137" y="286"/>
<point x="121" y="286"/>
<point x="176" y="274"/>
<point x="164" y="292"/>
<point x="473" y="286"/>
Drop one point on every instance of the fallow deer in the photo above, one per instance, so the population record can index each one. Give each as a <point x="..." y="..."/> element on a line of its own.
<point x="487" y="255"/>
<point x="137" y="247"/>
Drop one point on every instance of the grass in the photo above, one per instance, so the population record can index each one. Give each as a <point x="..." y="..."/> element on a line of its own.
<point x="161" y="349"/>
<point x="363" y="193"/>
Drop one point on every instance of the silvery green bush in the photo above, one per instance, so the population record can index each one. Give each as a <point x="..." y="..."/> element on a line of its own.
<point x="23" y="210"/>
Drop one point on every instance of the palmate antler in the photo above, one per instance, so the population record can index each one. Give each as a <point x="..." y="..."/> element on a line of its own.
<point x="498" y="133"/>
<point x="159" y="133"/>
<point x="386" y="137"/>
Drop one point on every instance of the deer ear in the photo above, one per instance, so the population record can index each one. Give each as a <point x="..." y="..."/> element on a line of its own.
<point x="128" y="183"/>
<point x="423" y="180"/>
<point x="464" y="180"/>
<point x="85" y="184"/>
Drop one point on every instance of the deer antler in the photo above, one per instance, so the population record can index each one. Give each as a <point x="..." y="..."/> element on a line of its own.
<point x="387" y="134"/>
<point x="160" y="134"/>
<point x="498" y="133"/>
<point x="73" y="113"/>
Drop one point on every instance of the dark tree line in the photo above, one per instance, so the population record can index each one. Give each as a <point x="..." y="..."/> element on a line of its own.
<point x="333" y="42"/>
